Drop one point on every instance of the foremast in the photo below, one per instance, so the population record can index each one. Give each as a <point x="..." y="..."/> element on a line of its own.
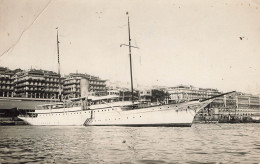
<point x="59" y="96"/>
<point x="130" y="57"/>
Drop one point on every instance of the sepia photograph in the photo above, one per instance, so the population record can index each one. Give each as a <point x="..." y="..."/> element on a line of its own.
<point x="130" y="81"/>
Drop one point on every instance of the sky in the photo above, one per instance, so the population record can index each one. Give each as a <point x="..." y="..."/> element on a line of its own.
<point x="208" y="44"/>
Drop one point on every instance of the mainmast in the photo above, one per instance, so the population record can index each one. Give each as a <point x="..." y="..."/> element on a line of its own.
<point x="130" y="57"/>
<point x="58" y="64"/>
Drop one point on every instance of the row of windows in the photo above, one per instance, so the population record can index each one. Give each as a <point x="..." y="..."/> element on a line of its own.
<point x="101" y="110"/>
<point x="62" y="113"/>
<point x="116" y="119"/>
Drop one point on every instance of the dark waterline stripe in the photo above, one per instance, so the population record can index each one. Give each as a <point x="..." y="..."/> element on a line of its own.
<point x="148" y="125"/>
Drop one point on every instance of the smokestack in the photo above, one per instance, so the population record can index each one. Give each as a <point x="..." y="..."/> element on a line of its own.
<point x="84" y="84"/>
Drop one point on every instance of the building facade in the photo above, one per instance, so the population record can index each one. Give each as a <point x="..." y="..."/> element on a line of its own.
<point x="36" y="84"/>
<point x="145" y="95"/>
<point x="183" y="93"/>
<point x="72" y="85"/>
<point x="233" y="105"/>
<point x="6" y="82"/>
<point x="42" y="84"/>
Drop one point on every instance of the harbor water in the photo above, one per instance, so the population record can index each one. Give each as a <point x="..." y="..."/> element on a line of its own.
<point x="201" y="143"/>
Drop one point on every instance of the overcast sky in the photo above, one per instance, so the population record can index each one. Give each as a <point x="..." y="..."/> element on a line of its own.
<point x="213" y="44"/>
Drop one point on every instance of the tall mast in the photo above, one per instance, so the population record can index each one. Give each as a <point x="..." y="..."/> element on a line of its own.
<point x="130" y="57"/>
<point x="58" y="64"/>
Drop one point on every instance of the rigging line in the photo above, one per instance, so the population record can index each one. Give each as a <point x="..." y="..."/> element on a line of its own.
<point x="26" y="29"/>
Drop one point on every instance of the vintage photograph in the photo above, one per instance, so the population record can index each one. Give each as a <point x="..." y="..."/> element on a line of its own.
<point x="129" y="81"/>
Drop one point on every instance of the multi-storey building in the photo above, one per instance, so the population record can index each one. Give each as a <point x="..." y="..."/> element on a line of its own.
<point x="36" y="84"/>
<point x="72" y="85"/>
<point x="185" y="93"/>
<point x="236" y="104"/>
<point x="6" y="82"/>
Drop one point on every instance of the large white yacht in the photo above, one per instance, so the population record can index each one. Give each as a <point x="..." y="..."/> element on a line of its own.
<point x="108" y="111"/>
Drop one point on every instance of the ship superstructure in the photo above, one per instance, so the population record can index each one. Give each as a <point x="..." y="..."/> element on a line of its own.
<point x="70" y="113"/>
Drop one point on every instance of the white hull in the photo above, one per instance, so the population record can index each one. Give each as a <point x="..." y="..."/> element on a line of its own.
<point x="164" y="115"/>
<point x="113" y="115"/>
<point x="68" y="118"/>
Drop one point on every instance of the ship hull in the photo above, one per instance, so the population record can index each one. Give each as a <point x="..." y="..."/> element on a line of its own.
<point x="76" y="118"/>
<point x="174" y="115"/>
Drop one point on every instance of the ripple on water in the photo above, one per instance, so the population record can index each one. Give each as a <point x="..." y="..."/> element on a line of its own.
<point x="230" y="143"/>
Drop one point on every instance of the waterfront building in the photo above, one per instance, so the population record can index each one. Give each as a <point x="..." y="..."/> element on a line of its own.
<point x="6" y="82"/>
<point x="113" y="92"/>
<point x="145" y="95"/>
<point x="72" y="88"/>
<point x="183" y="93"/>
<point x="236" y="104"/>
<point x="36" y="84"/>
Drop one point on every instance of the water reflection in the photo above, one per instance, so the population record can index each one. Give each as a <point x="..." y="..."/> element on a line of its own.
<point x="200" y="143"/>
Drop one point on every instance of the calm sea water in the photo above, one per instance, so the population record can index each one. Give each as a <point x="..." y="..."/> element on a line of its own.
<point x="202" y="143"/>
